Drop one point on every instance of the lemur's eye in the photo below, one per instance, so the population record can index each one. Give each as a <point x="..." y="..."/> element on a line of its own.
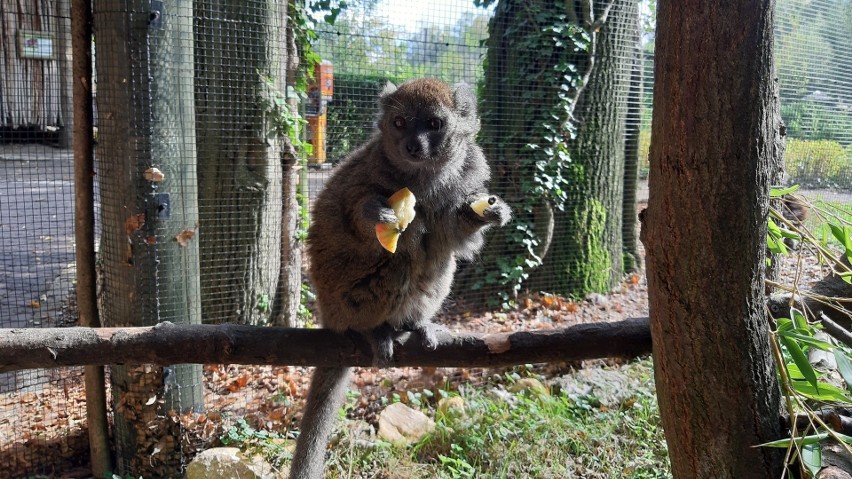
<point x="435" y="123"/>
<point x="399" y="122"/>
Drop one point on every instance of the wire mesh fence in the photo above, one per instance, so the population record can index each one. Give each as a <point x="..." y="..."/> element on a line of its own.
<point x="195" y="179"/>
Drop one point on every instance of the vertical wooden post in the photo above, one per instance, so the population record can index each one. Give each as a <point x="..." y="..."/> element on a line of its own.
<point x="714" y="146"/>
<point x="84" y="226"/>
<point x="150" y="218"/>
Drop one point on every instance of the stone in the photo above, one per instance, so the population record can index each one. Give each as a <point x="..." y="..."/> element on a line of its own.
<point x="532" y="385"/>
<point x="453" y="406"/>
<point x="400" y="424"/>
<point x="228" y="463"/>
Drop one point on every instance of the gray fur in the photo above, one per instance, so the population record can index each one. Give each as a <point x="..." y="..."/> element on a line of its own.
<point x="359" y="285"/>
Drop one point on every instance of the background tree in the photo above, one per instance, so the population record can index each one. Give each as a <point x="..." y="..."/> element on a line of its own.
<point x="716" y="137"/>
<point x="563" y="174"/>
<point x="237" y="44"/>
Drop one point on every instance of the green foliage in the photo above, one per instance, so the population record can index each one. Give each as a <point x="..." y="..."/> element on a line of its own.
<point x="814" y="120"/>
<point x="555" y="433"/>
<point x="552" y="79"/>
<point x="352" y="114"/>
<point x="796" y="335"/>
<point x="269" y="444"/>
<point x="817" y="163"/>
<point x="644" y="153"/>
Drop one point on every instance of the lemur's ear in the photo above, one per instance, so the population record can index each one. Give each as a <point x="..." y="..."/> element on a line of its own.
<point x="465" y="99"/>
<point x="387" y="90"/>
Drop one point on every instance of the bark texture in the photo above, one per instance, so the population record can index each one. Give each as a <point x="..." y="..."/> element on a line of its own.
<point x="586" y="254"/>
<point x="239" y="168"/>
<point x="714" y="143"/>
<point x="149" y="247"/>
<point x="240" y="344"/>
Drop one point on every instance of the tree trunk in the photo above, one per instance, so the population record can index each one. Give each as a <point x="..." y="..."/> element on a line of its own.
<point x="633" y="125"/>
<point x="714" y="141"/>
<point x="285" y="307"/>
<point x="239" y="168"/>
<point x="581" y="243"/>
<point x="586" y="253"/>
<point x="64" y="64"/>
<point x="150" y="256"/>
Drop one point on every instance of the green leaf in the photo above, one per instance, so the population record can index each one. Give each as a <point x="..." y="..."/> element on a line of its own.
<point x="812" y="458"/>
<point x="776" y="192"/>
<point x="844" y="236"/>
<point x="776" y="247"/>
<point x="799" y="319"/>
<point x="844" y="366"/>
<point x="801" y="360"/>
<point x="801" y="441"/>
<point x="826" y="392"/>
<point x="816" y="343"/>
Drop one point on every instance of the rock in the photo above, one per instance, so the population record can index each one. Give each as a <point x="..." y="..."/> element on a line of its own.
<point x="453" y="406"/>
<point x="498" y="394"/>
<point x="611" y="387"/>
<point x="228" y="463"/>
<point x="532" y="385"/>
<point x="399" y="424"/>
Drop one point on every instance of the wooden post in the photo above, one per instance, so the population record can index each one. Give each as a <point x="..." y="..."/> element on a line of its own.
<point x="84" y="226"/>
<point x="714" y="145"/>
<point x="149" y="199"/>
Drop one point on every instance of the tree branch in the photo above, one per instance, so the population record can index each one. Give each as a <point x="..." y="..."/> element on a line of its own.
<point x="169" y="343"/>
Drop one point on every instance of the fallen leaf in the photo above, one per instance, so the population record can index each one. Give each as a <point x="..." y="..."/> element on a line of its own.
<point x="155" y="175"/>
<point x="184" y="237"/>
<point x="133" y="223"/>
<point x="238" y="384"/>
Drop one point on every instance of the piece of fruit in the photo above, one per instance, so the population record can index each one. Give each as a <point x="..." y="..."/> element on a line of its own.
<point x="388" y="235"/>
<point x="479" y="206"/>
<point x="402" y="202"/>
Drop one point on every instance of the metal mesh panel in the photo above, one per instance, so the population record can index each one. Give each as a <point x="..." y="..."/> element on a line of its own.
<point x="183" y="89"/>
<point x="43" y="421"/>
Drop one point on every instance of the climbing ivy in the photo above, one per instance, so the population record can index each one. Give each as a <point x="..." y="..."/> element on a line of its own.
<point x="545" y="133"/>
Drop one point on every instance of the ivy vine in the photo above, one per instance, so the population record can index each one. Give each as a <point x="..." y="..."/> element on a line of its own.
<point x="563" y="41"/>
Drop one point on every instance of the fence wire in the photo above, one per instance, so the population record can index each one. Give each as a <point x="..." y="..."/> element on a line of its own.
<point x="192" y="182"/>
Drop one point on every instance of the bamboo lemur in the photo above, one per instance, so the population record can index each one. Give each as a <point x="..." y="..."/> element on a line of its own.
<point x="425" y="142"/>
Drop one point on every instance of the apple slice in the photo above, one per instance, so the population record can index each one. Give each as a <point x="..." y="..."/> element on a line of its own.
<point x="402" y="202"/>
<point x="479" y="206"/>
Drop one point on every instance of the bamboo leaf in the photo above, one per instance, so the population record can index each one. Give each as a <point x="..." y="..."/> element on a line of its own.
<point x="776" y="191"/>
<point x="826" y="392"/>
<point x="844" y="366"/>
<point x="801" y="441"/>
<point x="812" y="458"/>
<point x="799" y="319"/>
<point x="801" y="360"/>
<point x="810" y="341"/>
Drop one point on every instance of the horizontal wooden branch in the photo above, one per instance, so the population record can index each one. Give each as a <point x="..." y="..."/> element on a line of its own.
<point x="169" y="343"/>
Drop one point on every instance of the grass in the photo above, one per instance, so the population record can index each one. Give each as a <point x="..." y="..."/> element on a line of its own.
<point x="526" y="434"/>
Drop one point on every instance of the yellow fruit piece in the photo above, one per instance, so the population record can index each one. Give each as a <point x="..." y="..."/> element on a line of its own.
<point x="388" y="235"/>
<point x="479" y="206"/>
<point x="402" y="202"/>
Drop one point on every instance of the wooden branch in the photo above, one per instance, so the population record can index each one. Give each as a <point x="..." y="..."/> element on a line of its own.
<point x="169" y="343"/>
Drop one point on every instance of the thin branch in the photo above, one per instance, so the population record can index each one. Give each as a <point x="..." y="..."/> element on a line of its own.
<point x="169" y="343"/>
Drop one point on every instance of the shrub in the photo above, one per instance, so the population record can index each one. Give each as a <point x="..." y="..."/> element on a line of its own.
<point x="817" y="163"/>
<point x="352" y="112"/>
<point x="816" y="121"/>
